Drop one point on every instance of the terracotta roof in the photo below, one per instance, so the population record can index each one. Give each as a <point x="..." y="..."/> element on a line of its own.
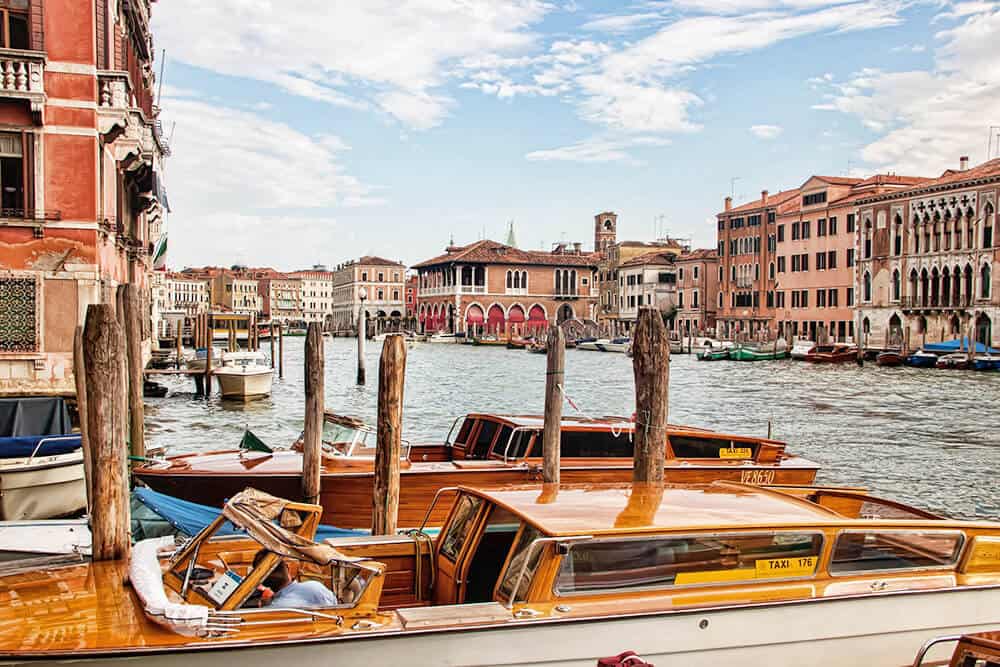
<point x="893" y="179"/>
<point x="838" y="180"/>
<point x="379" y="261"/>
<point x="775" y="200"/>
<point x="663" y="243"/>
<point x="492" y="252"/>
<point x="654" y="257"/>
<point x="950" y="178"/>
<point x="700" y="253"/>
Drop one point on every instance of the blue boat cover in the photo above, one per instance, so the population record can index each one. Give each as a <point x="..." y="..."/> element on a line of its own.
<point x="958" y="345"/>
<point x="23" y="446"/>
<point x="190" y="518"/>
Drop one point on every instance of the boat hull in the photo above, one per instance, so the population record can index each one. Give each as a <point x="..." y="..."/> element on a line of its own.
<point x="872" y="630"/>
<point x="744" y="354"/>
<point x="713" y="355"/>
<point x="889" y="359"/>
<point x="244" y="385"/>
<point x="347" y="497"/>
<point x="48" y="487"/>
<point x="602" y="346"/>
<point x="921" y="361"/>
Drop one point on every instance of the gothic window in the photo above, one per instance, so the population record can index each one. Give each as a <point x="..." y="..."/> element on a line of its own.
<point x="509" y="281"/>
<point x="867" y="291"/>
<point x="984" y="282"/>
<point x="895" y="285"/>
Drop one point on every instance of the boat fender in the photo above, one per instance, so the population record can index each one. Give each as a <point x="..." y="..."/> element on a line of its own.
<point x="626" y="659"/>
<point x="147" y="579"/>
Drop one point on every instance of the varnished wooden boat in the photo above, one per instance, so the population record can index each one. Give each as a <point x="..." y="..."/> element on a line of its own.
<point x="699" y="575"/>
<point x="979" y="649"/>
<point x="832" y="354"/>
<point x="483" y="450"/>
<point x="889" y="358"/>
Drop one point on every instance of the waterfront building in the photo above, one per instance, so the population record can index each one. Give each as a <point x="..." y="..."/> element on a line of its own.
<point x="187" y="295"/>
<point x="383" y="283"/>
<point x="80" y="163"/>
<point x="647" y="281"/>
<point x="697" y="291"/>
<point x="490" y="286"/>
<point x="747" y="243"/>
<point x="236" y="292"/>
<point x="316" y="294"/>
<point x="412" y="301"/>
<point x="927" y="266"/>
<point x="281" y="298"/>
<point x="813" y="268"/>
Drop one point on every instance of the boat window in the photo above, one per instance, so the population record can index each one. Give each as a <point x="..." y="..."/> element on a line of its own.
<point x="622" y="564"/>
<point x="483" y="440"/>
<point x="519" y="445"/>
<point x="522" y="550"/>
<point x="595" y="444"/>
<point x="881" y="550"/>
<point x="491" y="552"/>
<point x="502" y="441"/>
<point x="462" y="519"/>
<point x="694" y="447"/>
<point x="463" y="432"/>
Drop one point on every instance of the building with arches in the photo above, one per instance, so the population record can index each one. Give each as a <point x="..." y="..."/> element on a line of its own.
<point x="927" y="259"/>
<point x="383" y="281"/>
<point x="490" y="287"/>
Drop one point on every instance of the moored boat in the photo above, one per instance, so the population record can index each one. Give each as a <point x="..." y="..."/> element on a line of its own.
<point x="713" y="354"/>
<point x="747" y="353"/>
<point x="922" y="359"/>
<point x="801" y="349"/>
<point x="200" y="358"/>
<point x="977" y="649"/>
<point x="889" y="358"/>
<point x="482" y="449"/>
<point x="953" y="361"/>
<point x="244" y="375"/>
<point x="986" y="363"/>
<point x="605" y="345"/>
<point x="441" y="337"/>
<point x="530" y="576"/>
<point x="832" y="354"/>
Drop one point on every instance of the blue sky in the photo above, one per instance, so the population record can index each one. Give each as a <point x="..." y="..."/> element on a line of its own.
<point x="308" y="132"/>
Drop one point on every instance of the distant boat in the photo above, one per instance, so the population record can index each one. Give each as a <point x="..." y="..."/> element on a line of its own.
<point x="986" y="363"/>
<point x="713" y="354"/>
<point x="442" y="337"/>
<point x="244" y="375"/>
<point x="605" y="345"/>
<point x="741" y="353"/>
<point x="953" y="361"/>
<point x="832" y="354"/>
<point x="922" y="359"/>
<point x="889" y="358"/>
<point x="801" y="348"/>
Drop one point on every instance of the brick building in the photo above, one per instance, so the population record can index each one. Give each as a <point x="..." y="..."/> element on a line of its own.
<point x="80" y="162"/>
<point x="697" y="291"/>
<point x="647" y="281"/>
<point x="814" y="270"/>
<point x="412" y="301"/>
<point x="492" y="287"/>
<point x="927" y="259"/>
<point x="382" y="281"/>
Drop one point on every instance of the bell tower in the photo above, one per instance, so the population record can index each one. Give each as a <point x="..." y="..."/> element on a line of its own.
<point x="605" y="231"/>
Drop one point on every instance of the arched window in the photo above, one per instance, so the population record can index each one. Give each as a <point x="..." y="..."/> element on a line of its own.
<point x="895" y="285"/>
<point x="558" y="282"/>
<point x="984" y="281"/>
<point x="524" y="279"/>
<point x="509" y="281"/>
<point x="867" y="292"/>
<point x="868" y="238"/>
<point x="988" y="226"/>
<point x="770" y="271"/>
<point x="958" y="234"/>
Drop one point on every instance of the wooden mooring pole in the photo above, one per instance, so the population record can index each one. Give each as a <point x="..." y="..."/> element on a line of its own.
<point x="271" y="341"/>
<point x="385" y="497"/>
<point x="312" y="436"/>
<point x="179" y="342"/>
<point x="362" y="333"/>
<point x="209" y="347"/>
<point x="132" y="302"/>
<point x="651" y="367"/>
<point x="80" y="379"/>
<point x="104" y="363"/>
<point x="552" y="430"/>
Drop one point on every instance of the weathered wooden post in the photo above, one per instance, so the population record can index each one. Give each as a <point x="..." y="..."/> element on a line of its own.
<point x="179" y="343"/>
<point x="312" y="436"/>
<point x="281" y="351"/>
<point x="906" y="341"/>
<point x="209" y="347"/>
<point x="391" y="372"/>
<point x="552" y="430"/>
<point x="271" y="342"/>
<point x="104" y="361"/>
<point x="651" y="367"/>
<point x="80" y="379"/>
<point x="972" y="342"/>
<point x="362" y="334"/>
<point x="132" y="301"/>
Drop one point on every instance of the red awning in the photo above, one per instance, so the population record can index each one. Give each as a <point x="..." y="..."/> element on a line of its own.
<point x="496" y="316"/>
<point x="474" y="315"/>
<point x="536" y="315"/>
<point x="516" y="315"/>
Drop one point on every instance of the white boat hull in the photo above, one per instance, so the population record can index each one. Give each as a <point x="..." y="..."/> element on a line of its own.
<point x="250" y="384"/>
<point x="603" y="346"/>
<point x="47" y="487"/>
<point x="46" y="537"/>
<point x="884" y="630"/>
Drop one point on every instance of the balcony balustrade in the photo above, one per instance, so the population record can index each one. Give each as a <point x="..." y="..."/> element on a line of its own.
<point x="22" y="76"/>
<point x="928" y="303"/>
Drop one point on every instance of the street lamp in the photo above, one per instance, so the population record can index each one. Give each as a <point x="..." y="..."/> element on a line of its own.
<point x="362" y="295"/>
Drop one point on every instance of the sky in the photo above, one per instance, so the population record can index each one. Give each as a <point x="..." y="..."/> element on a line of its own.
<point x="315" y="132"/>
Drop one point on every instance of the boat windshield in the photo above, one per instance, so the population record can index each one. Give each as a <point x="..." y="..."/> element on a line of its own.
<point x="522" y="563"/>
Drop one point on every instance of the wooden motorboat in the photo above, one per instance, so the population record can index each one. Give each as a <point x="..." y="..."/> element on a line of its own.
<point x="519" y="343"/>
<point x="832" y="354"/>
<point x="801" y="349"/>
<point x="489" y="341"/>
<point x="538" y="347"/>
<point x="702" y="575"/>
<point x="978" y="649"/>
<point x="922" y="359"/>
<point x="605" y="345"/>
<point x="443" y="338"/>
<point x="486" y="450"/>
<point x="889" y="358"/>
<point x="953" y="361"/>
<point x="244" y="375"/>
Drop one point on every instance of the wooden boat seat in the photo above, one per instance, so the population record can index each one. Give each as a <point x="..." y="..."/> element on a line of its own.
<point x="453" y="615"/>
<point x="476" y="464"/>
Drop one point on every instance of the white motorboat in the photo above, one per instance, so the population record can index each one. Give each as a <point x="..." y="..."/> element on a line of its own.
<point x="605" y="345"/>
<point x="443" y="338"/>
<point x="44" y="538"/>
<point x="800" y="348"/>
<point x="41" y="477"/>
<point x="197" y="363"/>
<point x="244" y="375"/>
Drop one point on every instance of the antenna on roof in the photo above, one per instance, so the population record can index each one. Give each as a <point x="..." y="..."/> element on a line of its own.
<point x="732" y="185"/>
<point x="159" y="84"/>
<point x="994" y="131"/>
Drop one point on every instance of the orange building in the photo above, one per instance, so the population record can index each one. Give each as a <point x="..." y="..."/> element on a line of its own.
<point x="80" y="160"/>
<point x="491" y="287"/>
<point x="814" y="270"/>
<point x="697" y="291"/>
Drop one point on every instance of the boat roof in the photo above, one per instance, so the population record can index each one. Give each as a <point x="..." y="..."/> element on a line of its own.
<point x="636" y="508"/>
<point x="597" y="424"/>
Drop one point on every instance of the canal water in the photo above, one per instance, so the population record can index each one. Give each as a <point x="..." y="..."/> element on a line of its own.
<point x="927" y="437"/>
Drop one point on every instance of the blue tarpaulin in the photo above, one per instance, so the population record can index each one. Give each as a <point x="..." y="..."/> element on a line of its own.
<point x="24" y="446"/>
<point x="958" y="345"/>
<point x="190" y="518"/>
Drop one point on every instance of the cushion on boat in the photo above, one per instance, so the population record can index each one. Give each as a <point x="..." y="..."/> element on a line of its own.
<point x="23" y="446"/>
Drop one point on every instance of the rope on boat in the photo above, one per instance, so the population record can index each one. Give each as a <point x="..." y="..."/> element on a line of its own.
<point x="616" y="431"/>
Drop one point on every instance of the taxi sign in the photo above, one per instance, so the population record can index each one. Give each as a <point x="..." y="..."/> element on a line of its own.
<point x="735" y="453"/>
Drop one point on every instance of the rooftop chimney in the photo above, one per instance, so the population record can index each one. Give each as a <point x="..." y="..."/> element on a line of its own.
<point x="576" y="247"/>
<point x="729" y="203"/>
<point x="763" y="197"/>
<point x="963" y="162"/>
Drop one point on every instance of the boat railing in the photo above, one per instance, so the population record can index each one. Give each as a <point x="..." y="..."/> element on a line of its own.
<point x="518" y="430"/>
<point x="931" y="643"/>
<point x="538" y="542"/>
<point x="430" y="508"/>
<point x="54" y="438"/>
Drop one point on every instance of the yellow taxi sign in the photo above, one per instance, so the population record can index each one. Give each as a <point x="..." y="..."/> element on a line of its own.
<point x="785" y="567"/>
<point x="735" y="453"/>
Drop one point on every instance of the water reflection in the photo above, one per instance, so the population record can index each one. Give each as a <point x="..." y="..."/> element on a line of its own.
<point x="925" y="436"/>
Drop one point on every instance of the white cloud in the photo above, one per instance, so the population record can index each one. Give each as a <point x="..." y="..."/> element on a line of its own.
<point x="908" y="48"/>
<point x="766" y="131"/>
<point x="597" y="149"/>
<point x="354" y="54"/>
<point x="926" y="119"/>
<point x="622" y="23"/>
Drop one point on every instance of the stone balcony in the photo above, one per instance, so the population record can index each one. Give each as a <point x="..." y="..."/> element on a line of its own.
<point x="22" y="76"/>
<point x="120" y="118"/>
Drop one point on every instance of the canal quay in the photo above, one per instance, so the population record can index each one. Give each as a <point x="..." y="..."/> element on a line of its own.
<point x="923" y="436"/>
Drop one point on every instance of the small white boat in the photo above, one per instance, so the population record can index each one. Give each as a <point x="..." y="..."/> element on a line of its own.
<point x="606" y="345"/>
<point x="443" y="338"/>
<point x="41" y="477"/>
<point x="800" y="348"/>
<point x="244" y="375"/>
<point x="197" y="363"/>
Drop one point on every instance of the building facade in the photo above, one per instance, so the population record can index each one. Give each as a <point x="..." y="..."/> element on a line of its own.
<point x="235" y="292"/>
<point x="281" y="298"/>
<point x="187" y="295"/>
<point x="412" y="301"/>
<point x="80" y="162"/>
<point x="381" y="281"/>
<point x="815" y="267"/>
<point x="316" y="294"/>
<point x="697" y="291"/>
<point x="491" y="287"/>
<point x="927" y="260"/>
<point x="647" y="281"/>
